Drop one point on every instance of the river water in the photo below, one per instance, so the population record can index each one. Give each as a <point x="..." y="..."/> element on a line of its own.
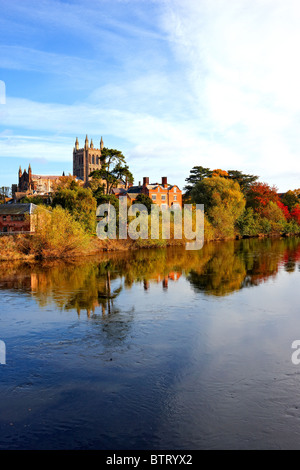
<point x="155" y="349"/>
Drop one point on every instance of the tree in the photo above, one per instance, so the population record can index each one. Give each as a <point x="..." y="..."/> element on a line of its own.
<point x="57" y="234"/>
<point x="67" y="182"/>
<point x="295" y="213"/>
<point x="197" y="173"/>
<point x="245" y="181"/>
<point x="113" y="169"/>
<point x="80" y="203"/>
<point x="290" y="199"/>
<point x="5" y="192"/>
<point x="223" y="202"/>
<point x="219" y="172"/>
<point x="260" y="195"/>
<point x="146" y="200"/>
<point x="97" y="186"/>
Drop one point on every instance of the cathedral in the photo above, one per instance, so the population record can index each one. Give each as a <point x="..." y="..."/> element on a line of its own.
<point x="86" y="159"/>
<point x="38" y="184"/>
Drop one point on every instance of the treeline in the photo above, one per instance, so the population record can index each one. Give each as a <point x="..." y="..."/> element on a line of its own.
<point x="238" y="205"/>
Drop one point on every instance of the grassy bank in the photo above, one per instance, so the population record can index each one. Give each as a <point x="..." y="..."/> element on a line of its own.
<point x="59" y="236"/>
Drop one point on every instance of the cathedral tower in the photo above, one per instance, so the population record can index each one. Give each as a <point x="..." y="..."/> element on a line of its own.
<point x="86" y="159"/>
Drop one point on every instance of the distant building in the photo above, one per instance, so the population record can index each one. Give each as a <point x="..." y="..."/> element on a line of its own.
<point x="17" y="218"/>
<point x="30" y="183"/>
<point x="163" y="194"/>
<point x="86" y="159"/>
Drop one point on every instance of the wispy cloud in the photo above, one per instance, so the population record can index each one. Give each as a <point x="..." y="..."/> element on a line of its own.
<point x="240" y="62"/>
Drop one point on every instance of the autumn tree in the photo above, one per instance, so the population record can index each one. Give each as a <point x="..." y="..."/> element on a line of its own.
<point x="260" y="194"/>
<point x="219" y="172"/>
<point x="5" y="192"/>
<point x="80" y="203"/>
<point x="290" y="199"/>
<point x="223" y="202"/>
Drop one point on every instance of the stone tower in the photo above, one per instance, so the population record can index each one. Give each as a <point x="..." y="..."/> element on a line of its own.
<point x="86" y="159"/>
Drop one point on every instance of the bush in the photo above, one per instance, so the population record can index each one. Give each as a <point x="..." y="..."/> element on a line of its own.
<point x="57" y="235"/>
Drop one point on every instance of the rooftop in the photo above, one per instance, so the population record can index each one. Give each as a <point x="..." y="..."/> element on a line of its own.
<point x="17" y="209"/>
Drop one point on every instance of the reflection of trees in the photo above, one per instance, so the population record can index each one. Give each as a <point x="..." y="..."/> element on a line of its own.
<point x="223" y="273"/>
<point x="94" y="285"/>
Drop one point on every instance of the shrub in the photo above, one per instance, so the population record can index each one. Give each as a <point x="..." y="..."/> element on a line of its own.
<point x="57" y="234"/>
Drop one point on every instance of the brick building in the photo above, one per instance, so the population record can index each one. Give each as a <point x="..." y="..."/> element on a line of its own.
<point x="163" y="194"/>
<point x="17" y="218"/>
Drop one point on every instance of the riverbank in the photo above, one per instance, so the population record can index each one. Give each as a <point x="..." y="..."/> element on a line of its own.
<point x="23" y="247"/>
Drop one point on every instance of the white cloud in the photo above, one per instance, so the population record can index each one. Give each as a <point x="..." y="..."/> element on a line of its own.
<point x="189" y="83"/>
<point x="241" y="62"/>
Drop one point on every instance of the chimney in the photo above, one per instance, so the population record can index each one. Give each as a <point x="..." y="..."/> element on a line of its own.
<point x="164" y="181"/>
<point x="145" y="180"/>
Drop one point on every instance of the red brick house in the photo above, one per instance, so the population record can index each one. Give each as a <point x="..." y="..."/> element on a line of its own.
<point x="16" y="218"/>
<point x="163" y="194"/>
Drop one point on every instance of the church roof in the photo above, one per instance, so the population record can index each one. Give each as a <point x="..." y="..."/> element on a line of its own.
<point x="45" y="177"/>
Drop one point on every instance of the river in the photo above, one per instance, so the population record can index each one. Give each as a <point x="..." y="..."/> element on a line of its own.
<point x="155" y="349"/>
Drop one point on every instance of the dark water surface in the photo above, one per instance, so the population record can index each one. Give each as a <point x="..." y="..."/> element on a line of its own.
<point x="156" y="349"/>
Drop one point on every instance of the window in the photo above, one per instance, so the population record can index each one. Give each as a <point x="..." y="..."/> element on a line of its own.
<point x="175" y="190"/>
<point x="4" y="217"/>
<point x="175" y="198"/>
<point x="164" y="206"/>
<point x="153" y="197"/>
<point x="163" y="197"/>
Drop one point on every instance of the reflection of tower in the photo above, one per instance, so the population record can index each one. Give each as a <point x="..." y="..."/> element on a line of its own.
<point x="165" y="282"/>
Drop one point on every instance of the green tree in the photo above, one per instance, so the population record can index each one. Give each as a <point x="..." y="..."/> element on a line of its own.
<point x="248" y="223"/>
<point x="245" y="181"/>
<point x="113" y="169"/>
<point x="81" y="203"/>
<point x="197" y="173"/>
<point x="146" y="200"/>
<point x="223" y="203"/>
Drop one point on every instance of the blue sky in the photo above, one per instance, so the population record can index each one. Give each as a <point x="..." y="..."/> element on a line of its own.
<point x="171" y="84"/>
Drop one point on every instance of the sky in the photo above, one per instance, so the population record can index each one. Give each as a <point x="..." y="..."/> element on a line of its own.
<point x="170" y="83"/>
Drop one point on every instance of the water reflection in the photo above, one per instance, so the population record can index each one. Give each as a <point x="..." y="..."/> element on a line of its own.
<point x="93" y="285"/>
